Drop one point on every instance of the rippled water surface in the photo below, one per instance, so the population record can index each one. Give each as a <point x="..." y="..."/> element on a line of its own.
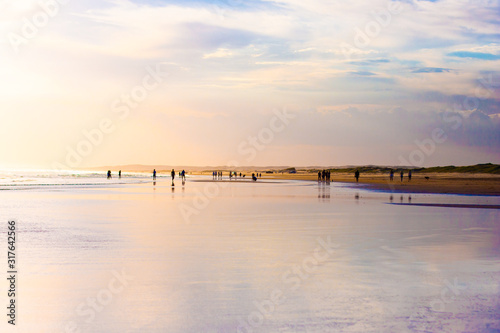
<point x="271" y="256"/>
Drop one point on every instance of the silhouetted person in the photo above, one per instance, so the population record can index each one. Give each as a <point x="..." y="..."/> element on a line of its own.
<point x="109" y="174"/>
<point x="409" y="175"/>
<point x="253" y="177"/>
<point x="391" y="176"/>
<point x="402" y="175"/>
<point x="173" y="176"/>
<point x="154" y="174"/>
<point x="183" y="176"/>
<point x="319" y="176"/>
<point x="356" y="175"/>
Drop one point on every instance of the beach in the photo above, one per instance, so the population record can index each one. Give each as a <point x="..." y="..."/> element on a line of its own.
<point x="276" y="255"/>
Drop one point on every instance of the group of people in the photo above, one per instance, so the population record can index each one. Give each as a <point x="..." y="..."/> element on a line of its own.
<point x="217" y="175"/>
<point x="110" y="177"/>
<point x="401" y="174"/>
<point x="182" y="175"/>
<point x="324" y="176"/>
<point x="391" y="175"/>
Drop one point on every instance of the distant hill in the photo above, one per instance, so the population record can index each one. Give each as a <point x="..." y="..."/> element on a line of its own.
<point x="487" y="168"/>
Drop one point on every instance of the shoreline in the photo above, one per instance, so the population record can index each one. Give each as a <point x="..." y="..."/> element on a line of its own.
<point x="447" y="183"/>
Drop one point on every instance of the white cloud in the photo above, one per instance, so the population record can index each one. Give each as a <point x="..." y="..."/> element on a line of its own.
<point x="220" y="53"/>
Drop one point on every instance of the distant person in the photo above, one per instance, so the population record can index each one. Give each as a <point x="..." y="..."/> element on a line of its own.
<point x="391" y="175"/>
<point x="240" y="174"/>
<point x="183" y="176"/>
<point x="356" y="175"/>
<point x="173" y="176"/>
<point x="109" y="174"/>
<point x="409" y="176"/>
<point x="120" y="174"/>
<point x="319" y="176"/>
<point x="253" y="177"/>
<point x="402" y="175"/>
<point x="154" y="174"/>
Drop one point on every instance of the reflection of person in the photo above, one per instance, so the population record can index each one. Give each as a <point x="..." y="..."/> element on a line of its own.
<point x="154" y="174"/>
<point x="356" y="175"/>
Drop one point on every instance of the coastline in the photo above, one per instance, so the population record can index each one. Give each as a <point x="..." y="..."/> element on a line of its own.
<point x="438" y="183"/>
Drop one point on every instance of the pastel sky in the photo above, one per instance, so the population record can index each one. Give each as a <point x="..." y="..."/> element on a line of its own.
<point x="90" y="83"/>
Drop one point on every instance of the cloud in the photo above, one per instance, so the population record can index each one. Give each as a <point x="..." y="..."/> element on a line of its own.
<point x="474" y="55"/>
<point x="220" y="53"/>
<point x="431" y="70"/>
<point x="363" y="73"/>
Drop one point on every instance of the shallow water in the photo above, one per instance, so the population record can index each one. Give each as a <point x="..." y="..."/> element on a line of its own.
<point x="271" y="256"/>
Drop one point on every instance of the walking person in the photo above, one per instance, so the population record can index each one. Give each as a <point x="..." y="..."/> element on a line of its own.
<point x="409" y="176"/>
<point x="154" y="174"/>
<point x="173" y="176"/>
<point x="391" y="176"/>
<point x="356" y="175"/>
<point x="120" y="174"/>
<point x="183" y="175"/>
<point x="402" y="175"/>
<point x="109" y="174"/>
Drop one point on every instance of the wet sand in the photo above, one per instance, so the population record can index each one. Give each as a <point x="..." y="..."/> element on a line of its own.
<point x="265" y="256"/>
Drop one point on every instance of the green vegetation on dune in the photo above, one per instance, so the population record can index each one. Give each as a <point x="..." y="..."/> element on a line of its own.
<point x="478" y="168"/>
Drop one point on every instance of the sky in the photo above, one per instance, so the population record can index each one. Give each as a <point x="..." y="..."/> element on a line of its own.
<point x="285" y="82"/>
